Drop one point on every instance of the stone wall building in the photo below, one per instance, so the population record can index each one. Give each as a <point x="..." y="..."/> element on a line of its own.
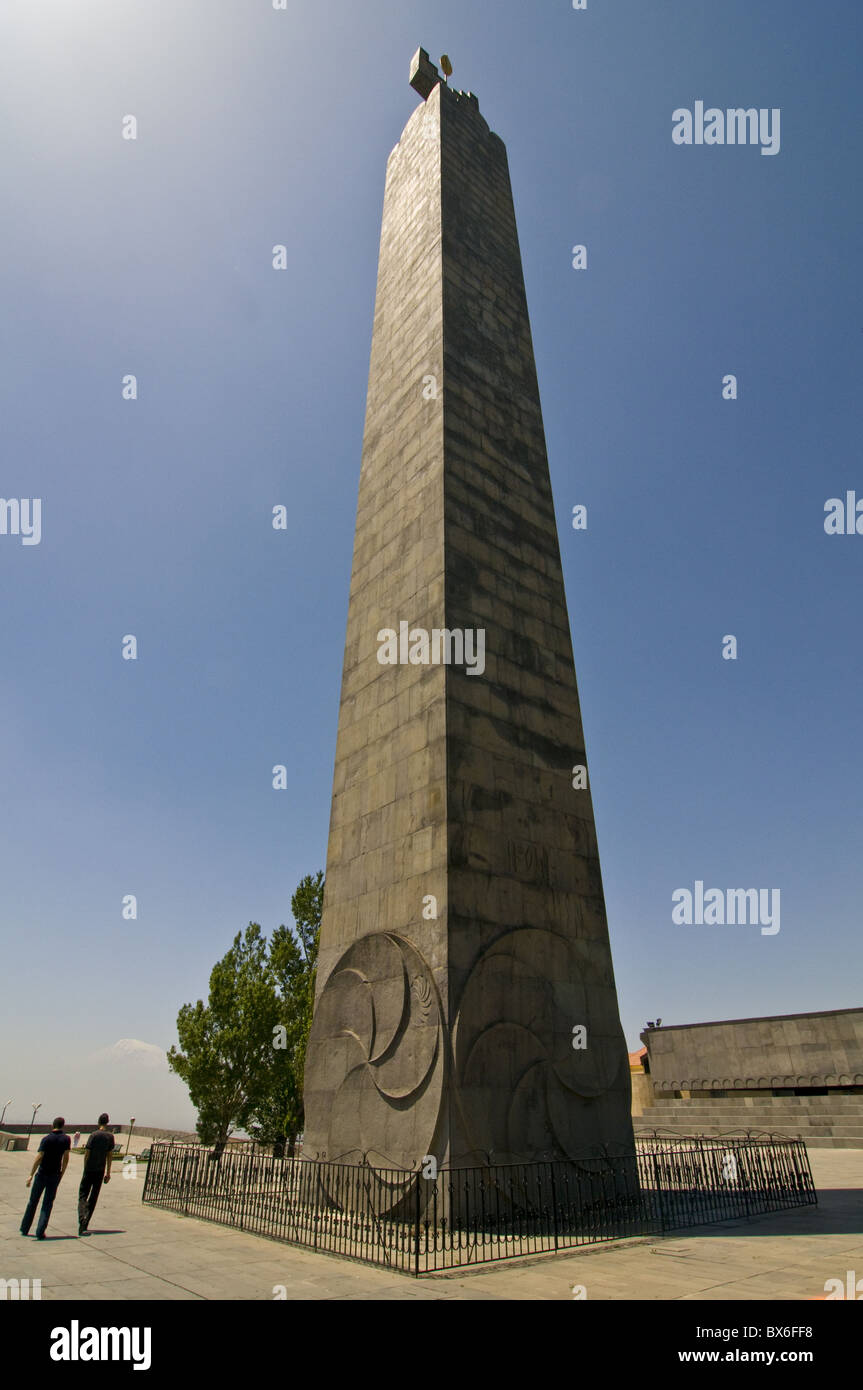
<point x="790" y="1073"/>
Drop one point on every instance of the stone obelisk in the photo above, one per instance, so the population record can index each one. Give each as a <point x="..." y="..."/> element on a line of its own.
<point x="466" y="1006"/>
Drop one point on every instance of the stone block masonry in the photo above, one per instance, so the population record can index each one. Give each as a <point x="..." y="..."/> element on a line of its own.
<point x="466" y="1007"/>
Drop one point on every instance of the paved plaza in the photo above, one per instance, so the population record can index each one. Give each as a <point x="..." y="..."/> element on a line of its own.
<point x="138" y="1252"/>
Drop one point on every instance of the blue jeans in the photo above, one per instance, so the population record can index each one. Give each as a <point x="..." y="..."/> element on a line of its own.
<point x="40" y="1185"/>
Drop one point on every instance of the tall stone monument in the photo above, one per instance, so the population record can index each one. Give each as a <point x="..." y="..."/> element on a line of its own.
<point x="466" y="1006"/>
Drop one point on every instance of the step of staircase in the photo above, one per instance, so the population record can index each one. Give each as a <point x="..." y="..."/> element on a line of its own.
<point x="812" y="1141"/>
<point x="822" y="1121"/>
<point x="850" y="1102"/>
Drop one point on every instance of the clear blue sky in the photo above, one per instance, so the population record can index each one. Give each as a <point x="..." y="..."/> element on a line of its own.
<point x="153" y="257"/>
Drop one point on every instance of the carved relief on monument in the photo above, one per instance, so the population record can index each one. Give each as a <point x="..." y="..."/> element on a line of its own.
<point x="528" y="862"/>
<point x="376" y="1050"/>
<point x="523" y="1084"/>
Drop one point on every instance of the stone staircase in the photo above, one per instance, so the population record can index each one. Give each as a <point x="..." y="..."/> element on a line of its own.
<point x="825" y="1122"/>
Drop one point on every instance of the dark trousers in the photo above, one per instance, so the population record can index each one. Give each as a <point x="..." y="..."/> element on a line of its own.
<point x="88" y="1196"/>
<point x="39" y="1186"/>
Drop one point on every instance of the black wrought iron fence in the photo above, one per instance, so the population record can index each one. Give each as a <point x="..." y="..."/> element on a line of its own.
<point x="463" y="1216"/>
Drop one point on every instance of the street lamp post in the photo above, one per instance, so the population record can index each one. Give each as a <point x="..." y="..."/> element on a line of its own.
<point x="3" y="1116"/>
<point x="32" y="1118"/>
<point x="131" y="1127"/>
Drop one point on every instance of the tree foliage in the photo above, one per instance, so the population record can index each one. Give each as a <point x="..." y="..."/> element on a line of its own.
<point x="242" y="1053"/>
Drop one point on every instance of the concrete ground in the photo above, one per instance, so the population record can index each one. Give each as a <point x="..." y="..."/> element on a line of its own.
<point x="138" y="1252"/>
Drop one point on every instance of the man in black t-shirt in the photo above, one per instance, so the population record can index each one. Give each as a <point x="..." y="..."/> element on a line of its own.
<point x="48" y="1169"/>
<point x="97" y="1167"/>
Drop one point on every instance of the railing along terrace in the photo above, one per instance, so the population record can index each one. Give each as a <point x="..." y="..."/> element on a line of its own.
<point x="465" y="1216"/>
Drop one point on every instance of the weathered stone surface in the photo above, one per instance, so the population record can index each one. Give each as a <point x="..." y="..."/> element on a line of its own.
<point x="782" y="1052"/>
<point x="452" y="1034"/>
<point x="424" y="73"/>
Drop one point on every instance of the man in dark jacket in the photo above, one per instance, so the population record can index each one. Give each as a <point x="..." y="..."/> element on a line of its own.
<point x="48" y="1169"/>
<point x="97" y="1168"/>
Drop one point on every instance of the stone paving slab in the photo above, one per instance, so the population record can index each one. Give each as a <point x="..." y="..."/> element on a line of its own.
<point x="136" y="1252"/>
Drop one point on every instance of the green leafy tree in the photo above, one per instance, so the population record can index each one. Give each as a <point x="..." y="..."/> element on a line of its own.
<point x="242" y="1053"/>
<point x="226" y="1044"/>
<point x="307" y="906"/>
<point x="276" y="1113"/>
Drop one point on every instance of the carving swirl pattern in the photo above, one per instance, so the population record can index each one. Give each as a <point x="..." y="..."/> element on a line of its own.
<point x="525" y="1089"/>
<point x="376" y="1051"/>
